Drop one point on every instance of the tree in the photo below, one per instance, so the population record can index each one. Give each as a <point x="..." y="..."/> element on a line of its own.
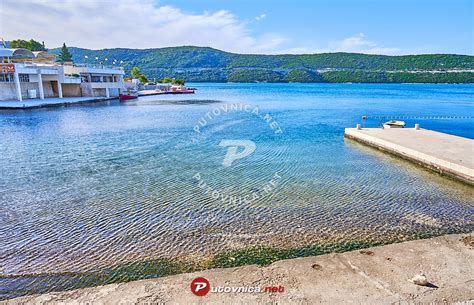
<point x="167" y="80"/>
<point x="36" y="46"/>
<point x="31" y="45"/>
<point x="19" y="43"/>
<point x="64" y="55"/>
<point x="135" y="72"/>
<point x="178" y="82"/>
<point x="143" y="79"/>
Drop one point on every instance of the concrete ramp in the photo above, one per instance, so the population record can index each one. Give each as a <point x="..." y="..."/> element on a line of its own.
<point x="446" y="154"/>
<point x="378" y="275"/>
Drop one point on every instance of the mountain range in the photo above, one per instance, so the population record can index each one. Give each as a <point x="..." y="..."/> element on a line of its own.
<point x="202" y="64"/>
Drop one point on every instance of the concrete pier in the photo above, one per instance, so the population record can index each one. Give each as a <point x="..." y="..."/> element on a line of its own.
<point x="446" y="154"/>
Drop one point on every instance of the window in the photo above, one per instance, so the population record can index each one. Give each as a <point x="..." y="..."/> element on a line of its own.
<point x="6" y="77"/>
<point x="24" y="78"/>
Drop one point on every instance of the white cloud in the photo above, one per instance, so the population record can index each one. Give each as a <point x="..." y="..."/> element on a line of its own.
<point x="360" y="44"/>
<point x="260" y="17"/>
<point x="99" y="24"/>
<point x="128" y="23"/>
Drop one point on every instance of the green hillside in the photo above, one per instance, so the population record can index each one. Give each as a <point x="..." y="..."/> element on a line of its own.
<point x="197" y="64"/>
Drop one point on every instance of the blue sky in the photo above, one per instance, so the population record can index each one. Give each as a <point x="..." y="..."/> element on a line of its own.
<point x="248" y="26"/>
<point x="435" y="26"/>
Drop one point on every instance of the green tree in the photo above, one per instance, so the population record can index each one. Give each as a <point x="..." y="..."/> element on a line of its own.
<point x="135" y="72"/>
<point x="64" y="55"/>
<point x="167" y="80"/>
<point x="36" y="46"/>
<point x="143" y="79"/>
<point x="178" y="82"/>
<point x="19" y="43"/>
<point x="303" y="76"/>
<point x="31" y="45"/>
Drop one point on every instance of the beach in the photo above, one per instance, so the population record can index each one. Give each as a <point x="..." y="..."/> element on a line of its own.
<point x="379" y="275"/>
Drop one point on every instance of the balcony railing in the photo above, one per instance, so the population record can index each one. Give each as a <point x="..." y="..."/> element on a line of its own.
<point x="98" y="66"/>
<point x="32" y="64"/>
<point x="36" y="65"/>
<point x="103" y="85"/>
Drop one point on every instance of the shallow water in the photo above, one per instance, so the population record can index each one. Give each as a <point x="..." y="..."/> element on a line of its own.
<point x="86" y="188"/>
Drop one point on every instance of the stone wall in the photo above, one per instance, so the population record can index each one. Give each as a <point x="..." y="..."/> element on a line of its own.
<point x="71" y="90"/>
<point x="86" y="89"/>
<point x="48" y="90"/>
<point x="99" y="92"/>
<point x="8" y="90"/>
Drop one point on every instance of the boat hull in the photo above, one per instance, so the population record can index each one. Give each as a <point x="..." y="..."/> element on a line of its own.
<point x="126" y="97"/>
<point x="394" y="124"/>
<point x="180" y="92"/>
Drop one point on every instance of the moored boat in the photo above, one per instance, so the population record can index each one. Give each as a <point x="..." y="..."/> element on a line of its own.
<point x="174" y="89"/>
<point x="128" y="95"/>
<point x="394" y="124"/>
<point x="179" y="89"/>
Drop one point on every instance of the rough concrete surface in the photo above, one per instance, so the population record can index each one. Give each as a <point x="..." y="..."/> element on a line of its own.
<point x="444" y="153"/>
<point x="378" y="275"/>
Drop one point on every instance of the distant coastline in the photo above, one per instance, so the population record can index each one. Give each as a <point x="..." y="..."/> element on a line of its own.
<point x="201" y="64"/>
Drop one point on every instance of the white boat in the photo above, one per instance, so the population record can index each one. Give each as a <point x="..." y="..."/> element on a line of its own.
<point x="394" y="124"/>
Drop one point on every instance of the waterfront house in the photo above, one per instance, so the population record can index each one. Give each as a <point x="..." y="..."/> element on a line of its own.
<point x="25" y="74"/>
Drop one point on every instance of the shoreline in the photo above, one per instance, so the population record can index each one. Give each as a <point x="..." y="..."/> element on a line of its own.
<point x="52" y="102"/>
<point x="374" y="275"/>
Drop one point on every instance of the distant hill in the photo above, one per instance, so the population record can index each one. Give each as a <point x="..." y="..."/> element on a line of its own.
<point x="198" y="64"/>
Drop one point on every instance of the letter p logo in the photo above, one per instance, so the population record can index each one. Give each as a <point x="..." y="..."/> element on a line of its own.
<point x="200" y="286"/>
<point x="232" y="155"/>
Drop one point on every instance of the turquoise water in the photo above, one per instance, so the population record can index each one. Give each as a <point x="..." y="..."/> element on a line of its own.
<point x="89" y="187"/>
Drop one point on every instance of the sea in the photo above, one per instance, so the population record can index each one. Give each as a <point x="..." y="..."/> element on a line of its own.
<point x="88" y="191"/>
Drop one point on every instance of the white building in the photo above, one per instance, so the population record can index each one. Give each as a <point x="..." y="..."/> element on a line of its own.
<point x="97" y="80"/>
<point x="25" y="74"/>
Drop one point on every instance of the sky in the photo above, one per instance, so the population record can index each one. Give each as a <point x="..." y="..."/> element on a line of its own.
<point x="391" y="27"/>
